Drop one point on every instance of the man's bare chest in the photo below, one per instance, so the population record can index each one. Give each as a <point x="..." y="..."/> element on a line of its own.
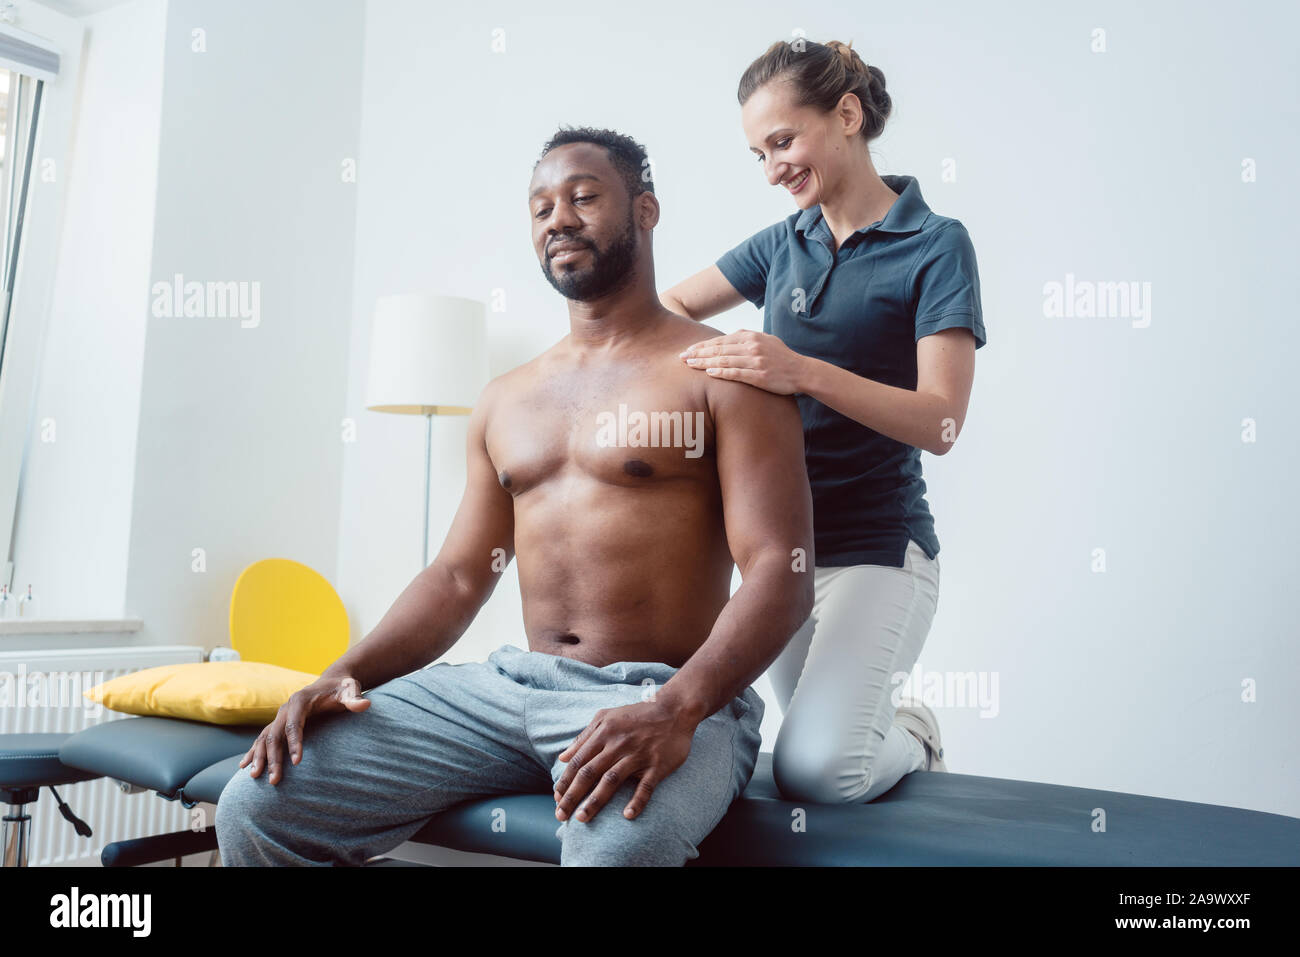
<point x="624" y="427"/>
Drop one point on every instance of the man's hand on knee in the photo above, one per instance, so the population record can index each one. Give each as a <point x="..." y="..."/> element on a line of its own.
<point x="285" y="732"/>
<point x="646" y="741"/>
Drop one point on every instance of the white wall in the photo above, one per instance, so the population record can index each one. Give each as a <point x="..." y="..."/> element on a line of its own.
<point x="240" y="446"/>
<point x="1082" y="434"/>
<point x="71" y="530"/>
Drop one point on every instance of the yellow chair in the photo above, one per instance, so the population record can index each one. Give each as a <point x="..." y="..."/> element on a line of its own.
<point x="285" y="613"/>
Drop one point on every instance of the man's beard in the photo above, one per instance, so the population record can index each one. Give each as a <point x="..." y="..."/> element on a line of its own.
<point x="609" y="269"/>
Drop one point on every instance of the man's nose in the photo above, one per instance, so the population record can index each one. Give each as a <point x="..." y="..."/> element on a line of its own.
<point x="564" y="219"/>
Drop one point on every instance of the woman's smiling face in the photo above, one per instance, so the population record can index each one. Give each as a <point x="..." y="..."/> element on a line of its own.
<point x="800" y="149"/>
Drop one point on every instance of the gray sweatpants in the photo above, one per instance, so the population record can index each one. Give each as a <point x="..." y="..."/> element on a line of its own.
<point x="369" y="780"/>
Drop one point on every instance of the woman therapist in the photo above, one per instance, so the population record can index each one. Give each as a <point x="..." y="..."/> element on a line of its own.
<point x="871" y="319"/>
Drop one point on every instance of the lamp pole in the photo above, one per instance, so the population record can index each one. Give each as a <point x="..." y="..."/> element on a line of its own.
<point x="428" y="453"/>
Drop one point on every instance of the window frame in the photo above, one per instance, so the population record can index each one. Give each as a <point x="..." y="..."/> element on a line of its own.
<point x="37" y="254"/>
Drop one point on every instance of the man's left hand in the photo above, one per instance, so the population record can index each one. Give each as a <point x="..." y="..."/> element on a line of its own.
<point x="646" y="741"/>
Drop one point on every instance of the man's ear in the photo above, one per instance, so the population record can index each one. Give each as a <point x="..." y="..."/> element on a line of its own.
<point x="646" y="206"/>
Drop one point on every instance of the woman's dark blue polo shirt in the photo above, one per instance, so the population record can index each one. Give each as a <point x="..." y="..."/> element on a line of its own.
<point x="862" y="308"/>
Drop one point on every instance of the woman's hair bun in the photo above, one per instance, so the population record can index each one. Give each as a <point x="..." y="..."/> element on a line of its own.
<point x="872" y="77"/>
<point x="820" y="74"/>
<point x="852" y="62"/>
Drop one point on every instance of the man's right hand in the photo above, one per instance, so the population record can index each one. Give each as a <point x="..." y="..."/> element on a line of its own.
<point x="320" y="697"/>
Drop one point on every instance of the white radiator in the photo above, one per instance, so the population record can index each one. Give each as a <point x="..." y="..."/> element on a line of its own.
<point x="40" y="692"/>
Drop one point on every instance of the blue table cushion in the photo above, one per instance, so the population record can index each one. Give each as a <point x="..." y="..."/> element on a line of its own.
<point x="157" y="753"/>
<point x="928" y="818"/>
<point x="32" y="760"/>
<point x="208" y="784"/>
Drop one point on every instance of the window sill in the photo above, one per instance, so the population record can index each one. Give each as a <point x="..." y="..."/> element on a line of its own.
<point x="69" y="626"/>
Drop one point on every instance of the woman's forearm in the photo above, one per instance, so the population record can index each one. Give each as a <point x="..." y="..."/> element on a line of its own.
<point x="672" y="304"/>
<point x="921" y="419"/>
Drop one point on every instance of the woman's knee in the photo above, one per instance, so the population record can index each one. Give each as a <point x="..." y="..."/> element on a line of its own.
<point x="818" y="774"/>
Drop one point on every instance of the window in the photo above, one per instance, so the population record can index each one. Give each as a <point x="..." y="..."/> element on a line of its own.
<point x="20" y="109"/>
<point x="38" y="68"/>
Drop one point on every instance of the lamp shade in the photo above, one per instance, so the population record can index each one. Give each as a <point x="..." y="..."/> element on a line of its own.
<point x="428" y="354"/>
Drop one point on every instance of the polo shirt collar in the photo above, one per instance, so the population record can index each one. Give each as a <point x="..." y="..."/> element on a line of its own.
<point x="905" y="216"/>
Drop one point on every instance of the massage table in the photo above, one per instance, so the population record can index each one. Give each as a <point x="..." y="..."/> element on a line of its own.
<point x="928" y="818"/>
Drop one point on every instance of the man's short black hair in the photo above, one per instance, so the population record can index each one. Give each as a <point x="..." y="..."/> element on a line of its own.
<point x="626" y="154"/>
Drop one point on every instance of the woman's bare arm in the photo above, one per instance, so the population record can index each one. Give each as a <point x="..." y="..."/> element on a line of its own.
<point x="928" y="418"/>
<point x="702" y="296"/>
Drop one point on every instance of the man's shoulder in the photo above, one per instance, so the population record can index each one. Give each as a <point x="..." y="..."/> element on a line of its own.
<point x="681" y="332"/>
<point x="685" y="332"/>
<point x="517" y="378"/>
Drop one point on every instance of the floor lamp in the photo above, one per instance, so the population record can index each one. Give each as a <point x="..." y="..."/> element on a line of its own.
<point x="428" y="356"/>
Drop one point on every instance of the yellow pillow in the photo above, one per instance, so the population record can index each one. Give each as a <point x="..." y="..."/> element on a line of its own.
<point x="218" y="692"/>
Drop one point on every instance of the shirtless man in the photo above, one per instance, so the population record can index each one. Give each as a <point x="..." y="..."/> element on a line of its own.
<point x="635" y="688"/>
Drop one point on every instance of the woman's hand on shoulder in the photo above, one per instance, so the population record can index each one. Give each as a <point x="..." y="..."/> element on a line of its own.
<point x="755" y="358"/>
